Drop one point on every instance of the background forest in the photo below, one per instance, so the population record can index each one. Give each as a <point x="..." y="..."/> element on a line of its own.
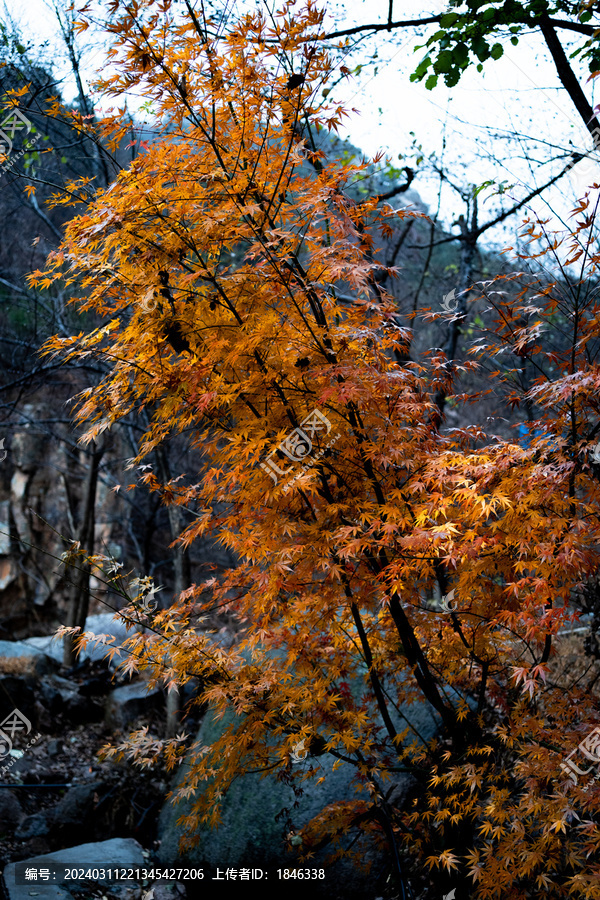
<point x="310" y="442"/>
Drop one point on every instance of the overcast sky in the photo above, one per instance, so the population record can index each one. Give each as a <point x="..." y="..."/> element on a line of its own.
<point x="470" y="126"/>
<point x="518" y="94"/>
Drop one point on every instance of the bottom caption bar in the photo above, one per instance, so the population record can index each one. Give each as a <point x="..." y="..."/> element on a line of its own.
<point x="61" y="873"/>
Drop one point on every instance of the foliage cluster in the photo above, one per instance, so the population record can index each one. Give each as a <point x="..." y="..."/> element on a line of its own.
<point x="238" y="285"/>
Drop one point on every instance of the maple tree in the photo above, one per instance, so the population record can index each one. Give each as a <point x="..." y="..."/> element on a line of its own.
<point x="237" y="284"/>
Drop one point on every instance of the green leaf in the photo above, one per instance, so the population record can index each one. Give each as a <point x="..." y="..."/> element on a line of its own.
<point x="460" y="54"/>
<point x="481" y="49"/>
<point x="449" y="19"/>
<point x="421" y="69"/>
<point x="431" y="82"/>
<point x="497" y="51"/>
<point x="482" y="187"/>
<point x="443" y="63"/>
<point x="452" y="78"/>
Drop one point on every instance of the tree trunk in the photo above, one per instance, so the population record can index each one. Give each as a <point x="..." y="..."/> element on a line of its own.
<point x="81" y="580"/>
<point x="468" y="246"/>
<point x="181" y="565"/>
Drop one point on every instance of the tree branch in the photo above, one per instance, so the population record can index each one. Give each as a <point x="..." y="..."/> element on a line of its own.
<point x="400" y="188"/>
<point x="569" y="80"/>
<point x="431" y="20"/>
<point x="386" y="26"/>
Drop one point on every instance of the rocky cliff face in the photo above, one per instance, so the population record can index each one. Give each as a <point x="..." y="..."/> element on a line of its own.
<point x="33" y="504"/>
<point x="43" y="481"/>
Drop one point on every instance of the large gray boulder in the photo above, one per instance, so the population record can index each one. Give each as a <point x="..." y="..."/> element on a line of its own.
<point x="116" y="853"/>
<point x="256" y="815"/>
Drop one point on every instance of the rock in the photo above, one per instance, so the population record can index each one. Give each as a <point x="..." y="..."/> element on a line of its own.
<point x="28" y="447"/>
<point x="251" y="834"/>
<point x="48" y="645"/>
<point x="17" y="693"/>
<point x="253" y="828"/>
<point x="75" y="804"/>
<point x="62" y="695"/>
<point x="80" y="710"/>
<point x="9" y="573"/>
<point x="43" y="719"/>
<point x="168" y="890"/>
<point x="74" y="814"/>
<point x="126" y="703"/>
<point x="97" y="685"/>
<point x="5" y="526"/>
<point x="54" y="747"/>
<point x="66" y="689"/>
<point x="125" y="892"/>
<point x="33" y="659"/>
<point x="104" y="623"/>
<point x="35" y="847"/>
<point x="33" y="826"/>
<point x="27" y="891"/>
<point x="50" y="696"/>
<point x="11" y="813"/>
<point x="118" y="852"/>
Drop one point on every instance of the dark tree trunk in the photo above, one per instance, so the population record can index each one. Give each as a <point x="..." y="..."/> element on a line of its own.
<point x="81" y="575"/>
